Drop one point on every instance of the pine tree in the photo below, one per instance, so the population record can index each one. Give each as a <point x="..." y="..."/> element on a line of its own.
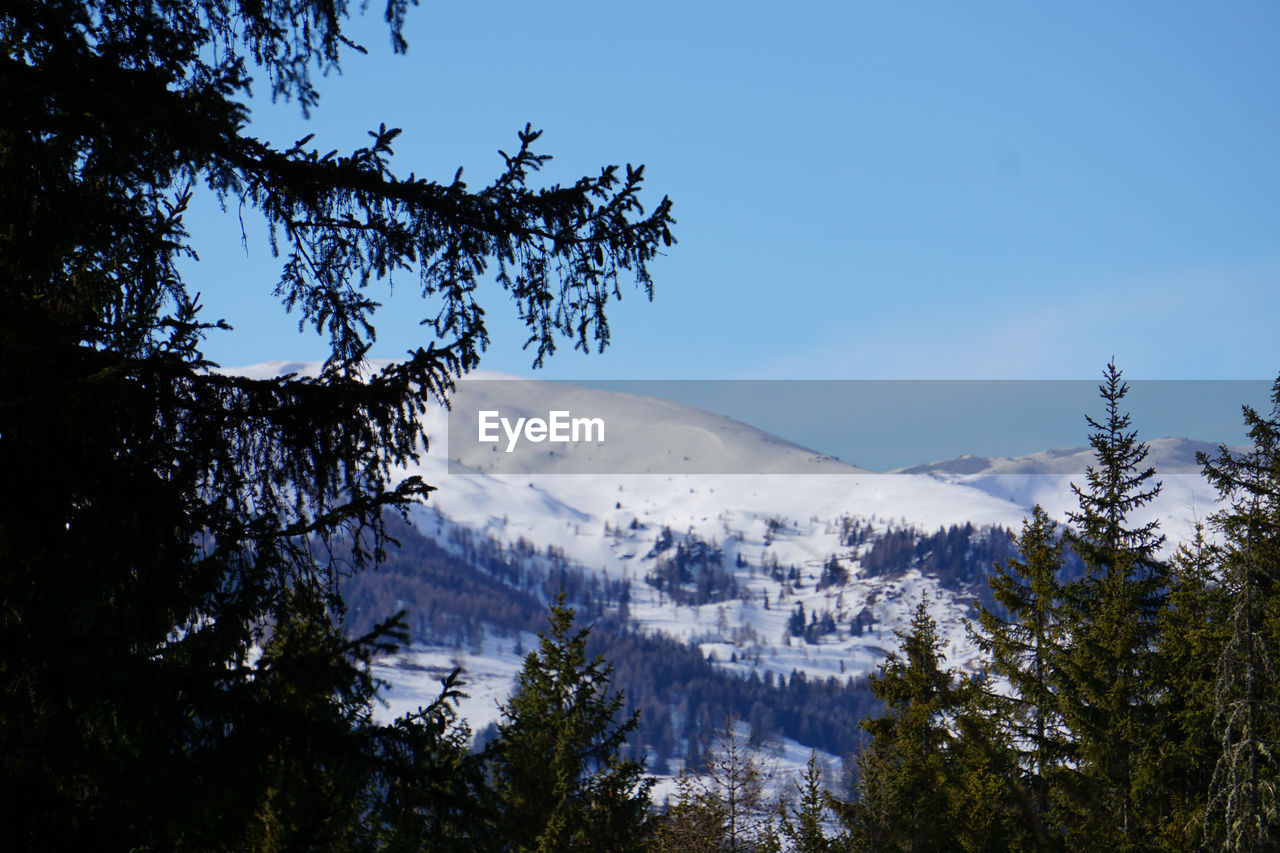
<point x="560" y="783"/>
<point x="171" y="536"/>
<point x="1109" y="692"/>
<point x="1244" y="799"/>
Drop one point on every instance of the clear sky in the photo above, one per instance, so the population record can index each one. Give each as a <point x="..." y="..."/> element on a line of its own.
<point x="888" y="190"/>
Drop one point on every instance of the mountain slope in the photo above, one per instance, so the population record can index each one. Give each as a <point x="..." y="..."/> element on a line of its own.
<point x="767" y="576"/>
<point x="1045" y="478"/>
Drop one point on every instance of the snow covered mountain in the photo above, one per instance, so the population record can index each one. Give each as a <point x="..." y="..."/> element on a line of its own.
<point x="615" y="524"/>
<point x="1046" y="477"/>
<point x="806" y="565"/>
<point x="773" y="533"/>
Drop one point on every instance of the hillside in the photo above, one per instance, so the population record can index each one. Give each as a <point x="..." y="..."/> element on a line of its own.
<point x="784" y="584"/>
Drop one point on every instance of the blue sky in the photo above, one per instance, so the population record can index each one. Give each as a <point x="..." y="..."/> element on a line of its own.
<point x="907" y="190"/>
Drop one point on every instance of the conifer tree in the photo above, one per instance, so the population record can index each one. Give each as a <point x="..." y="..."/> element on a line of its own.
<point x="1109" y="694"/>
<point x="1116" y="486"/>
<point x="907" y="779"/>
<point x="1193" y="631"/>
<point x="431" y="790"/>
<point x="738" y="782"/>
<point x="559" y="780"/>
<point x="726" y="807"/>
<point x="172" y="537"/>
<point x="1025" y="650"/>
<point x="992" y="806"/>
<point x="868" y="816"/>
<point x="1245" y="792"/>
<point x="693" y="823"/>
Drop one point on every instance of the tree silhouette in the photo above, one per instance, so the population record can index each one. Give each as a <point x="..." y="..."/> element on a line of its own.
<point x="172" y="537"/>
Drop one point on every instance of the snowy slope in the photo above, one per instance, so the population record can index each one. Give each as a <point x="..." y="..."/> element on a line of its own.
<point x="1046" y="478"/>
<point x="611" y="522"/>
<point x="762" y="525"/>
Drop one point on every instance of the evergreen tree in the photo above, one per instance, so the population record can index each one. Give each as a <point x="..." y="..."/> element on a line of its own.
<point x="560" y="783"/>
<point x="1245" y="803"/>
<point x="431" y="791"/>
<point x="868" y="816"/>
<point x="833" y="573"/>
<point x="795" y="622"/>
<point x="907" y="781"/>
<point x="1109" y="691"/>
<point x="1115" y="487"/>
<point x="171" y="537"/>
<point x="1026" y="650"/>
<point x="1193" y="630"/>
<point x="992" y="806"/>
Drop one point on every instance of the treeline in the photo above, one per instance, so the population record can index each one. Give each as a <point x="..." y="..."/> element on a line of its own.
<point x="1134" y="707"/>
<point x="683" y="698"/>
<point x="452" y="596"/>
<point x="961" y="557"/>
<point x="1127" y="700"/>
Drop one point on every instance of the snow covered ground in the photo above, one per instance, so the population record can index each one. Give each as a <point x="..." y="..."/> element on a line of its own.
<point x="603" y="518"/>
<point x="414" y="679"/>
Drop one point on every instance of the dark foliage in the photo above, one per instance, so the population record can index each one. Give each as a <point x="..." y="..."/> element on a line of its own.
<point x="690" y="570"/>
<point x="172" y="674"/>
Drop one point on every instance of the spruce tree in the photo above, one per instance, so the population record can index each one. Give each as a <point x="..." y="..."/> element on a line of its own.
<point x="992" y="806"/>
<point x="1109" y="692"/>
<point x="1025" y="652"/>
<point x="431" y="791"/>
<point x="556" y="769"/>
<point x="1116" y="486"/>
<point x="1244" y="801"/>
<point x="1193" y="630"/>
<point x="172" y="671"/>
<point x="868" y="817"/>
<point x="907" y="789"/>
